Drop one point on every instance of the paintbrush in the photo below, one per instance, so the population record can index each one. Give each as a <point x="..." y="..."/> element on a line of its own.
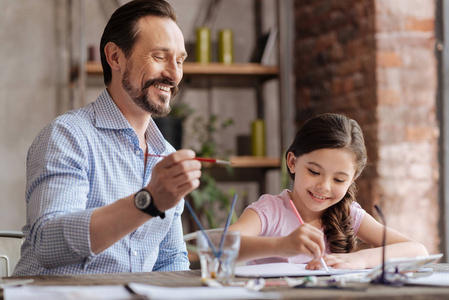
<point x="211" y="160"/>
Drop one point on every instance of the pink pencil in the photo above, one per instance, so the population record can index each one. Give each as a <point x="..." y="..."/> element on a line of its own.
<point x="212" y="160"/>
<point x="323" y="263"/>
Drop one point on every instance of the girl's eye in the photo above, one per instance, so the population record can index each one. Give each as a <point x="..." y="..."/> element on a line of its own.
<point x="339" y="180"/>
<point x="313" y="172"/>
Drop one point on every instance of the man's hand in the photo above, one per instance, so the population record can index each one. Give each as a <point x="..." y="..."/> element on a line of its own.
<point x="173" y="178"/>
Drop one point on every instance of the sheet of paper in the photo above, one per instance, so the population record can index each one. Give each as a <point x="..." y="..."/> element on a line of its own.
<point x="30" y="292"/>
<point x="435" y="279"/>
<point x="198" y="293"/>
<point x="286" y="269"/>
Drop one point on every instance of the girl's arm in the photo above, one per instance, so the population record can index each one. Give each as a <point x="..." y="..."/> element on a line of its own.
<point x="251" y="245"/>
<point x="371" y="232"/>
<point x="304" y="240"/>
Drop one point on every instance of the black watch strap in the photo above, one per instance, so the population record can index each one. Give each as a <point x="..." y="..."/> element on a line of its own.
<point x="153" y="211"/>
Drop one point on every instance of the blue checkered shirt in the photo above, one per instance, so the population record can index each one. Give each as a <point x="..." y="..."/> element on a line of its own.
<point x="85" y="159"/>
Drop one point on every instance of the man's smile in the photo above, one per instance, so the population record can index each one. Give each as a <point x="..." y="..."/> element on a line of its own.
<point x="162" y="87"/>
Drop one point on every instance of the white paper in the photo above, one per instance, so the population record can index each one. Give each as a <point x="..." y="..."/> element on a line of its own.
<point x="33" y="292"/>
<point x="286" y="269"/>
<point x="435" y="279"/>
<point x="198" y="293"/>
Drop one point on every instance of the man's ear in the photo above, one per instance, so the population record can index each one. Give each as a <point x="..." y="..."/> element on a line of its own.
<point x="113" y="55"/>
<point x="291" y="162"/>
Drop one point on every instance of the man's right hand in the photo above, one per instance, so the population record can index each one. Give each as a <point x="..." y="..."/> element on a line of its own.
<point x="173" y="178"/>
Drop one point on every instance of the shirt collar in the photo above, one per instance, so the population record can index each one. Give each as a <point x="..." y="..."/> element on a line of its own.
<point x="107" y="114"/>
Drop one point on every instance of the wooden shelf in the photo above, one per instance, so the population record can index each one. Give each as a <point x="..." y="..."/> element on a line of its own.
<point x="94" y="68"/>
<point x="211" y="69"/>
<point x="255" y="162"/>
<point x="240" y="162"/>
<point x="249" y="69"/>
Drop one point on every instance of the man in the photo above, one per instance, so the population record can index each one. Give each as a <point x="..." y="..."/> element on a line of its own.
<point x="96" y="203"/>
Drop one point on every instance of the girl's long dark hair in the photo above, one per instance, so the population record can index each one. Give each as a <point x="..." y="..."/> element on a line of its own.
<point x="334" y="131"/>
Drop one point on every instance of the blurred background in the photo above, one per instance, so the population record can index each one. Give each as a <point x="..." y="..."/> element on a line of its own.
<point x="380" y="62"/>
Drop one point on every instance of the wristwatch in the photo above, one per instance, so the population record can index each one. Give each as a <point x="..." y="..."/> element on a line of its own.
<point x="144" y="201"/>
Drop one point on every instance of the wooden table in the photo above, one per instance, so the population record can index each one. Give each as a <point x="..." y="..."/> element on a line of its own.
<point x="193" y="278"/>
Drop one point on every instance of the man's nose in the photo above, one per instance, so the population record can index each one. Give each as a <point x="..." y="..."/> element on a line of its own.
<point x="173" y="71"/>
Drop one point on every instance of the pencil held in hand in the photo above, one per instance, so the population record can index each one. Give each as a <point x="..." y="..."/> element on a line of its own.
<point x="323" y="263"/>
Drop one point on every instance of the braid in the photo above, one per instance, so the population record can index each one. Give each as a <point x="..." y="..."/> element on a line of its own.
<point x="337" y="223"/>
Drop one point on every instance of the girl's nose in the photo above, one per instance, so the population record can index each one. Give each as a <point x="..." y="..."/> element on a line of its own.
<point x="323" y="185"/>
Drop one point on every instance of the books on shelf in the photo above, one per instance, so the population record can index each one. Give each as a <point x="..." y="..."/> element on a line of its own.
<point x="264" y="47"/>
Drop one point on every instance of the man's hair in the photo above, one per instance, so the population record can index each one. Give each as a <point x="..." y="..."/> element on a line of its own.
<point x="122" y="27"/>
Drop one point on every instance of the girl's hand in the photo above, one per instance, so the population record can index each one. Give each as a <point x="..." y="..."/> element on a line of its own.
<point x="307" y="239"/>
<point x="350" y="261"/>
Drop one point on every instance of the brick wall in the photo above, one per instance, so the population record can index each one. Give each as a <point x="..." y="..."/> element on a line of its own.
<point x="373" y="60"/>
<point x="406" y="74"/>
<point x="335" y="63"/>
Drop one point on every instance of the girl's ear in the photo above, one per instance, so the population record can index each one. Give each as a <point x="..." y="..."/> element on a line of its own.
<point x="291" y="162"/>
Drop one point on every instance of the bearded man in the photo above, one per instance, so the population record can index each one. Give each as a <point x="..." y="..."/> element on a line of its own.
<point x="97" y="202"/>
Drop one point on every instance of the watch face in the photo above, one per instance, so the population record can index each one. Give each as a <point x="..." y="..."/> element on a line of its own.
<point x="142" y="199"/>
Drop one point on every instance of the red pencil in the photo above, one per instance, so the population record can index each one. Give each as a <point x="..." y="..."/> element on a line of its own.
<point x="296" y="212"/>
<point x="212" y="160"/>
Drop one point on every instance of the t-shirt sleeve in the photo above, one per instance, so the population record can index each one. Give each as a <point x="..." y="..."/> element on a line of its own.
<point x="266" y="210"/>
<point x="357" y="213"/>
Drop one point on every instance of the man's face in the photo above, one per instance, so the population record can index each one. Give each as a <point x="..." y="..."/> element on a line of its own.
<point x="154" y="68"/>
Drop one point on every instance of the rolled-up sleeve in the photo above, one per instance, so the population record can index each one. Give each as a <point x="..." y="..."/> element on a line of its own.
<point x="57" y="193"/>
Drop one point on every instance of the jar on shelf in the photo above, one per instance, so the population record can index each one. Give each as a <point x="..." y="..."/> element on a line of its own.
<point x="203" y="45"/>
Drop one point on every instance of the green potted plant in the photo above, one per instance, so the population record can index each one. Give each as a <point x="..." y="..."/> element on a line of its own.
<point x="209" y="198"/>
<point x="205" y="129"/>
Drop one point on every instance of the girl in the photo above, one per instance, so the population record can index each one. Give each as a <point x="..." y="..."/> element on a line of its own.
<point x="324" y="160"/>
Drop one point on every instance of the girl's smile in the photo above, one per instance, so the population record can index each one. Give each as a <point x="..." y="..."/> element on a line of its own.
<point x="317" y="198"/>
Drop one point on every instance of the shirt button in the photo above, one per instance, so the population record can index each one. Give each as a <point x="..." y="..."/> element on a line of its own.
<point x="135" y="253"/>
<point x="137" y="152"/>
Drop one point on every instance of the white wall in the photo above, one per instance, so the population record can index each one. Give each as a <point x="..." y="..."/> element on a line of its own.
<point x="28" y="94"/>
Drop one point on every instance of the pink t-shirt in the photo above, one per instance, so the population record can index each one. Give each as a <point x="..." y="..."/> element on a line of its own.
<point x="278" y="219"/>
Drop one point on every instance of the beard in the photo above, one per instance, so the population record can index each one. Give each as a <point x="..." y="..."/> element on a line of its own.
<point x="143" y="99"/>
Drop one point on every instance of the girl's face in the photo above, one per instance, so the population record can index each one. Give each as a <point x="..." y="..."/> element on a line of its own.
<point x="322" y="177"/>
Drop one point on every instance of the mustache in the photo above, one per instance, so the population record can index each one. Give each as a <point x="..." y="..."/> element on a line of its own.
<point x="174" y="86"/>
